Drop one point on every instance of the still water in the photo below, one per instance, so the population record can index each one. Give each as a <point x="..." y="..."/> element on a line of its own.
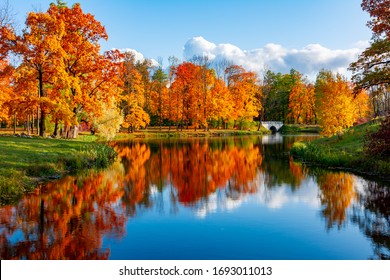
<point x="225" y="198"/>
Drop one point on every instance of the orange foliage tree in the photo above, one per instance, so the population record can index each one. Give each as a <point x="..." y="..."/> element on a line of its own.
<point x="245" y="92"/>
<point x="133" y="95"/>
<point x="41" y="51"/>
<point x="60" y="52"/>
<point x="334" y="103"/>
<point x="6" y="91"/>
<point x="301" y="101"/>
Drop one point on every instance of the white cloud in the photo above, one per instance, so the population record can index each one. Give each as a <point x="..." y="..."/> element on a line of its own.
<point x="308" y="60"/>
<point x="138" y="56"/>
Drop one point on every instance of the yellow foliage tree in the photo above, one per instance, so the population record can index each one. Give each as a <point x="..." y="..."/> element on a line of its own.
<point x="335" y="104"/>
<point x="301" y="101"/>
<point x="136" y="118"/>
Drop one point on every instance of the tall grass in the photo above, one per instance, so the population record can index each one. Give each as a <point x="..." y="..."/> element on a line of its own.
<point x="346" y="153"/>
<point x="24" y="163"/>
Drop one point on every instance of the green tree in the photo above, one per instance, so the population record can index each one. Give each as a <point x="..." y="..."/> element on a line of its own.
<point x="159" y="83"/>
<point x="276" y="92"/>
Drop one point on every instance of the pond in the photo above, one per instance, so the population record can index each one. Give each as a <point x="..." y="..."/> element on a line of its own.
<point x="222" y="198"/>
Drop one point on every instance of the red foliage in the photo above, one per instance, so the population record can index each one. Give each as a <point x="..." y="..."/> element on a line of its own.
<point x="378" y="143"/>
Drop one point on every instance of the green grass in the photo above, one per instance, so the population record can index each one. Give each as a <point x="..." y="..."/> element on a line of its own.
<point x="346" y="153"/>
<point x="25" y="162"/>
<point x="298" y="128"/>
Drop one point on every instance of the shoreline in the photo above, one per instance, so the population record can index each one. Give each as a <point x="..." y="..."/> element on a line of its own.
<point x="25" y="163"/>
<point x="346" y="154"/>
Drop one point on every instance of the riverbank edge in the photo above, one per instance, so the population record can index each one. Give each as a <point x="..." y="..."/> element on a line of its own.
<point x="157" y="134"/>
<point x="345" y="155"/>
<point x="299" y="128"/>
<point x="27" y="163"/>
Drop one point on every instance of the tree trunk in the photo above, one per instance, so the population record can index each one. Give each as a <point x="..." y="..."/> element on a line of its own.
<point x="42" y="125"/>
<point x="32" y="123"/>
<point x="14" y="123"/>
<point x="38" y="121"/>
<point x="70" y="132"/>
<point x="41" y="93"/>
<point x="259" y="126"/>
<point x="28" y="124"/>
<point x="55" y="132"/>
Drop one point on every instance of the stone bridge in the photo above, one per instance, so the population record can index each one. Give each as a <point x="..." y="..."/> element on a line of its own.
<point x="273" y="126"/>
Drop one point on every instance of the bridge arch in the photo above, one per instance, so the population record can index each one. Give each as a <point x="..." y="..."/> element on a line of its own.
<point x="274" y="126"/>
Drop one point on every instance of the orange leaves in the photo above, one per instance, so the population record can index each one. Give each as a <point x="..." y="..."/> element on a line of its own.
<point x="60" y="53"/>
<point x="201" y="97"/>
<point x="380" y="13"/>
<point x="335" y="104"/>
<point x="301" y="101"/>
<point x="245" y="92"/>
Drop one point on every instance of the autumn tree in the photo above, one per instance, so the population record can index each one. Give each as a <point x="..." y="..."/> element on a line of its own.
<point x="245" y="92"/>
<point x="363" y="106"/>
<point x="60" y="50"/>
<point x="371" y="71"/>
<point x="186" y="88"/>
<point x="221" y="104"/>
<point x="301" y="100"/>
<point x="133" y="97"/>
<point x="207" y="77"/>
<point x="90" y="76"/>
<point x="334" y="103"/>
<point x="6" y="91"/>
<point x="380" y="14"/>
<point x="170" y="102"/>
<point x="40" y="49"/>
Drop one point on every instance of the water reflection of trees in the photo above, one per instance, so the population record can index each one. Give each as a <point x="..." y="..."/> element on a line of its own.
<point x="337" y="191"/>
<point x="65" y="220"/>
<point x="68" y="219"/>
<point x="374" y="217"/>
<point x="193" y="170"/>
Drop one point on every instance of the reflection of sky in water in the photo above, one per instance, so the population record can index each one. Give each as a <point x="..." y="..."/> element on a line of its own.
<point x="273" y="224"/>
<point x="214" y="199"/>
<point x="274" y="198"/>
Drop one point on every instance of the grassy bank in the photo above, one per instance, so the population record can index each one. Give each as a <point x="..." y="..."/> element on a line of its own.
<point x="26" y="162"/>
<point x="346" y="153"/>
<point x="298" y="128"/>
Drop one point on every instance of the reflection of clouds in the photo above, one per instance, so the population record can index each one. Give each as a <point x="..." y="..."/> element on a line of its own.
<point x="215" y="202"/>
<point x="277" y="197"/>
<point x="210" y="206"/>
<point x="272" y="198"/>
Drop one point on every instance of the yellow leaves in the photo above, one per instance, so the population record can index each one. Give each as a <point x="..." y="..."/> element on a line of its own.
<point x="336" y="107"/>
<point x="362" y="104"/>
<point x="136" y="118"/>
<point x="245" y="92"/>
<point x="301" y="102"/>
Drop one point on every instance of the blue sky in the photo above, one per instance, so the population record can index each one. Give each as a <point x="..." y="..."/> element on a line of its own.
<point x="258" y="34"/>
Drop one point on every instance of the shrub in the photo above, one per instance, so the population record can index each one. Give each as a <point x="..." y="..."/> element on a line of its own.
<point x="378" y="143"/>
